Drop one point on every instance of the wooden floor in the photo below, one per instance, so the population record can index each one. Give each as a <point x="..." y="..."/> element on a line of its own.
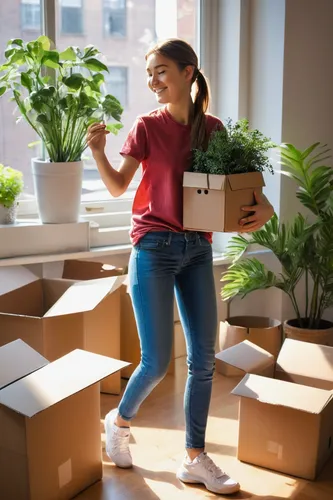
<point x="157" y="449"/>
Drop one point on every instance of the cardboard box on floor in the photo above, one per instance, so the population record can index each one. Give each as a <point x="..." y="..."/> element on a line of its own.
<point x="287" y="426"/>
<point x="213" y="202"/>
<point x="129" y="339"/>
<point x="243" y="358"/>
<point x="56" y="316"/>
<point x="50" y="439"/>
<point x="264" y="332"/>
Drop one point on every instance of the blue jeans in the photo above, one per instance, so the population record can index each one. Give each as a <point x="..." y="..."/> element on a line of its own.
<point x="161" y="263"/>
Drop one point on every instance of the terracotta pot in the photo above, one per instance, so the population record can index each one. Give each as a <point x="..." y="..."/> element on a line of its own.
<point x="322" y="336"/>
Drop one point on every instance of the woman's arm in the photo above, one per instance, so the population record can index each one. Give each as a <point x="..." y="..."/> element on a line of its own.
<point x="116" y="181"/>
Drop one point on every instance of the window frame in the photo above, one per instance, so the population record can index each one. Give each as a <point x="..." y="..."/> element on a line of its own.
<point x="107" y="10"/>
<point x="70" y="33"/>
<point x="23" y="5"/>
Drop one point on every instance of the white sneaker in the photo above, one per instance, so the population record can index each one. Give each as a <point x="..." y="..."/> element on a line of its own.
<point x="203" y="470"/>
<point x="117" y="441"/>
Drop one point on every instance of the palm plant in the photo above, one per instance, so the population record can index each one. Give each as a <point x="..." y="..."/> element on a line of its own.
<point x="303" y="247"/>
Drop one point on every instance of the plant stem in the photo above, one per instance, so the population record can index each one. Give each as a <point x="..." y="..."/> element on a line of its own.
<point x="314" y="303"/>
<point x="294" y="303"/>
<point x="306" y="293"/>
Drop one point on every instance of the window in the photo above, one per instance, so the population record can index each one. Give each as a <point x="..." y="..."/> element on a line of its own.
<point x="71" y="17"/>
<point x="15" y="137"/>
<point x="30" y="14"/>
<point x="115" y="18"/>
<point x="116" y="83"/>
<point x="138" y="24"/>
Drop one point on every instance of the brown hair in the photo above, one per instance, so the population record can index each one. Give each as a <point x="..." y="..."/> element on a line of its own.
<point x="183" y="55"/>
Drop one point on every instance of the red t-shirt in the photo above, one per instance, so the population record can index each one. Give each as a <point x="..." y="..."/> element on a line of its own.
<point x="162" y="146"/>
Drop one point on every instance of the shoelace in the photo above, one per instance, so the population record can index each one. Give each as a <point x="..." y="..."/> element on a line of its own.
<point x="213" y="468"/>
<point x="122" y="444"/>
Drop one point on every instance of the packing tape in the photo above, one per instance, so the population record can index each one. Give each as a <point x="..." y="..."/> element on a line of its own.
<point x="65" y="473"/>
<point x="275" y="448"/>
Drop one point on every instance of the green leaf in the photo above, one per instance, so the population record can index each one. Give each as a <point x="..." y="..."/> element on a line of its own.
<point x="2" y="90"/>
<point x="68" y="55"/>
<point x="42" y="118"/>
<point x="50" y="59"/>
<point x="9" y="52"/>
<point x="90" y="51"/>
<point x="15" y="41"/>
<point x="34" y="143"/>
<point x="95" y="65"/>
<point x="18" y="57"/>
<point x="98" y="79"/>
<point x="114" y="128"/>
<point x="45" y="42"/>
<point x="26" y="81"/>
<point x="112" y="107"/>
<point x="75" y="81"/>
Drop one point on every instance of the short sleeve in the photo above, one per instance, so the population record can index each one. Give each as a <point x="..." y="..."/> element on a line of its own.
<point x="136" y="144"/>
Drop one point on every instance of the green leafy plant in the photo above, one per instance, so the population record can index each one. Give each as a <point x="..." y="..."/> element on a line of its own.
<point x="59" y="94"/>
<point x="304" y="247"/>
<point x="11" y="185"/>
<point x="235" y="149"/>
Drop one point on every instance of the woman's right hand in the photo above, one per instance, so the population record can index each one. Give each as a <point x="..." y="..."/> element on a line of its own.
<point x="96" y="138"/>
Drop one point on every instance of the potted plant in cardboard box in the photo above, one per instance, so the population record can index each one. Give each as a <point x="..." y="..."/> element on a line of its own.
<point x="11" y="185"/>
<point x="59" y="94"/>
<point x="224" y="177"/>
<point x="304" y="248"/>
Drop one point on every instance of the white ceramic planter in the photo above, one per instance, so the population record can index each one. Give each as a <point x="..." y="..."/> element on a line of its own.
<point x="8" y="215"/>
<point x="58" y="189"/>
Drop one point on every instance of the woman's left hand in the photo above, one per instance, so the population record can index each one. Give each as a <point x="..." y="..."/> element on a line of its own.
<point x="262" y="212"/>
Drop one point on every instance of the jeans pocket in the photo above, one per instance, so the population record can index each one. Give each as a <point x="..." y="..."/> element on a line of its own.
<point x="204" y="242"/>
<point x="152" y="242"/>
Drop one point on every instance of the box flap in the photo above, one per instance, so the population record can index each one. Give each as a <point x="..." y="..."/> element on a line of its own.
<point x="17" y="360"/>
<point x="14" y="277"/>
<point x="246" y="356"/>
<point x="204" y="181"/>
<point x="246" y="181"/>
<point x="57" y="381"/>
<point x="280" y="393"/>
<point x="84" y="296"/>
<point x="306" y="360"/>
<point x="195" y="180"/>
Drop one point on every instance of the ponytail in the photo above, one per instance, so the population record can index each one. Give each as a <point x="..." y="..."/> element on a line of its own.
<point x="199" y="137"/>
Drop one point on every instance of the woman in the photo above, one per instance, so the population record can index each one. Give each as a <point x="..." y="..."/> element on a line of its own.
<point x="165" y="258"/>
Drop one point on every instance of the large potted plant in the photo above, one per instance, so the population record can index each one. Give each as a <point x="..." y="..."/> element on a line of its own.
<point x="11" y="186"/>
<point x="59" y="94"/>
<point x="224" y="177"/>
<point x="304" y="248"/>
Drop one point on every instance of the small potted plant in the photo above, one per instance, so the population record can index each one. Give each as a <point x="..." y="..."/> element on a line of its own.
<point x="11" y="186"/>
<point x="59" y="94"/>
<point x="303" y="247"/>
<point x="224" y="177"/>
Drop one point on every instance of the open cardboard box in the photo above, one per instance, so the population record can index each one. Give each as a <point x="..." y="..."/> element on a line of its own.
<point x="56" y="316"/>
<point x="50" y="440"/>
<point x="129" y="339"/>
<point x="264" y="332"/>
<point x="213" y="202"/>
<point x="283" y="425"/>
